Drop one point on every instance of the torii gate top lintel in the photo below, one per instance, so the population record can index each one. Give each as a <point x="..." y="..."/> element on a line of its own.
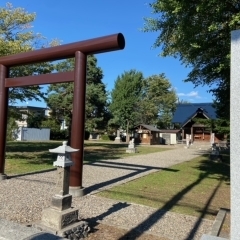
<point x="91" y="46"/>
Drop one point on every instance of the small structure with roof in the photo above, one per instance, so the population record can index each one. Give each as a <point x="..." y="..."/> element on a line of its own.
<point x="170" y="136"/>
<point x="146" y="134"/>
<point x="185" y="117"/>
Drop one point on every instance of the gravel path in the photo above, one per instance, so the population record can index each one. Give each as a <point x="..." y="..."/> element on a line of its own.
<point x="23" y="198"/>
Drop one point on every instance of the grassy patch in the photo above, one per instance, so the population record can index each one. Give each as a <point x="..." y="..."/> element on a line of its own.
<point x="94" y="151"/>
<point x="24" y="157"/>
<point x="198" y="187"/>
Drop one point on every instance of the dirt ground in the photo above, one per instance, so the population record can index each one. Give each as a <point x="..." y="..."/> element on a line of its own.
<point x="106" y="232"/>
<point x="225" y="230"/>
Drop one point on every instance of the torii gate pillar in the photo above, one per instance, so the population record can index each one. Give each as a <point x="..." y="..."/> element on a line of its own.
<point x="78" y="120"/>
<point x="3" y="118"/>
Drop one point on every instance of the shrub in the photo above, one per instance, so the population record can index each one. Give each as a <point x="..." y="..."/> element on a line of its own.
<point x="87" y="135"/>
<point x="58" y="135"/>
<point x="108" y="137"/>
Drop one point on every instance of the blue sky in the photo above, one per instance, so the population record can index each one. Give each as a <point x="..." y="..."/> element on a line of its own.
<point x="76" y="20"/>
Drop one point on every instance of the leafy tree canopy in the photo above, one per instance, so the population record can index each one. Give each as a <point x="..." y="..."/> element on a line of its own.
<point x="60" y="96"/>
<point x="16" y="36"/>
<point x="198" y="32"/>
<point x="159" y="101"/>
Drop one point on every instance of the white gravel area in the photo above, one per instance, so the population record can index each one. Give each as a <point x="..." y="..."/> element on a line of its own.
<point x="22" y="198"/>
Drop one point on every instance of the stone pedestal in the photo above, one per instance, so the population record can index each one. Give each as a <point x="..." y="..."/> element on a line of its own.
<point x="58" y="220"/>
<point x="3" y="176"/>
<point x="77" y="191"/>
<point x="131" y="150"/>
<point x="118" y="138"/>
<point x="131" y="147"/>
<point x="215" y="154"/>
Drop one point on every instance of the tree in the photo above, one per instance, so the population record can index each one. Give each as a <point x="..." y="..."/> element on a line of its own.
<point x="55" y="132"/>
<point x="158" y="102"/>
<point x="198" y="33"/>
<point x="16" y="36"/>
<point x="60" y="96"/>
<point x="12" y="127"/>
<point x="125" y="98"/>
<point x="136" y="99"/>
<point x="34" y="120"/>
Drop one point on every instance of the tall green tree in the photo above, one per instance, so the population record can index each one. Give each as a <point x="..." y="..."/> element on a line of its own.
<point x="60" y="96"/>
<point x="16" y="36"/>
<point x="125" y="98"/>
<point x="198" y="33"/>
<point x="158" y="101"/>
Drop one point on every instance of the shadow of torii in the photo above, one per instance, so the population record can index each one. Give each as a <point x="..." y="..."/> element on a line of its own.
<point x="138" y="171"/>
<point x="154" y="217"/>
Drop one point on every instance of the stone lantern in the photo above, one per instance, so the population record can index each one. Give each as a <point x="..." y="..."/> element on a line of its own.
<point x="62" y="199"/>
<point x="60" y="216"/>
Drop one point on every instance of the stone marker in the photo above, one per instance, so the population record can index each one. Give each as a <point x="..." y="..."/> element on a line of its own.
<point x="60" y="218"/>
<point x="187" y="141"/>
<point x="215" y="154"/>
<point x="235" y="134"/>
<point x="118" y="138"/>
<point x="131" y="147"/>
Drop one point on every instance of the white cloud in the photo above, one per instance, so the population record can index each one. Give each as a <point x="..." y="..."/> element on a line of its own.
<point x="190" y="94"/>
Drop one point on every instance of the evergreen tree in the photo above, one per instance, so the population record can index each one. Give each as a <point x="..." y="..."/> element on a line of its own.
<point x="60" y="96"/>
<point x="125" y="98"/>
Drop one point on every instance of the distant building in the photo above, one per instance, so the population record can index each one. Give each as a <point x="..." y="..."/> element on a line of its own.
<point x="26" y="133"/>
<point x="184" y="119"/>
<point x="146" y="134"/>
<point x="25" y="110"/>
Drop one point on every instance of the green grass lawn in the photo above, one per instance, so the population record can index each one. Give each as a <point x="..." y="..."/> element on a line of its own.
<point x="198" y="187"/>
<point x="25" y="157"/>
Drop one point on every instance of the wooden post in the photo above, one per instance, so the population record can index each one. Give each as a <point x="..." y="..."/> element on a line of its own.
<point x="78" y="124"/>
<point x="191" y="134"/>
<point x="3" y="118"/>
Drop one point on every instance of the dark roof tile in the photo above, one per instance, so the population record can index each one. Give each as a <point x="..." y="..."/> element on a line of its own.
<point x="149" y="127"/>
<point x="186" y="110"/>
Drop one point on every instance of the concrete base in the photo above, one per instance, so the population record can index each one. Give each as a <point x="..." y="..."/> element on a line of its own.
<point x="58" y="220"/>
<point x="73" y="229"/>
<point x="3" y="176"/>
<point x="11" y="231"/>
<point x="209" y="237"/>
<point x="219" y="220"/>
<point x="215" y="157"/>
<point x="131" y="150"/>
<point x="61" y="202"/>
<point x="77" y="191"/>
<point x="117" y="140"/>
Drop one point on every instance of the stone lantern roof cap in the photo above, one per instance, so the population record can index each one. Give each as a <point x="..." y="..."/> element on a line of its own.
<point x="63" y="149"/>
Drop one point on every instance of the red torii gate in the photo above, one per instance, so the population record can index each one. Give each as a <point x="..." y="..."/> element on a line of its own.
<point x="79" y="50"/>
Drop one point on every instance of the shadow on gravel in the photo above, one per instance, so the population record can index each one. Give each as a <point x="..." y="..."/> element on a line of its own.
<point x="43" y="236"/>
<point x="154" y="217"/>
<point x="115" y="207"/>
<point x="31" y="173"/>
<point x="138" y="169"/>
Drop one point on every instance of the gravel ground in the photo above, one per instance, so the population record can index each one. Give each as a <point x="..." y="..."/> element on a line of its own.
<point x="23" y="198"/>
